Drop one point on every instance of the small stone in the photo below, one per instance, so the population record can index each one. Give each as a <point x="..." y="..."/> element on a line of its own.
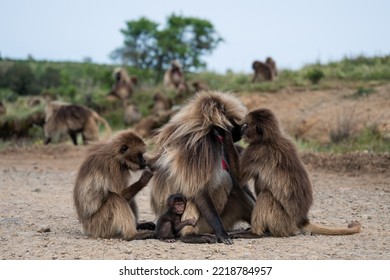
<point x="44" y="229"/>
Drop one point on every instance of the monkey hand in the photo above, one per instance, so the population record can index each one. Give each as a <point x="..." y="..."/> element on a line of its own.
<point x="225" y="239"/>
<point x="147" y="174"/>
<point x="192" y="222"/>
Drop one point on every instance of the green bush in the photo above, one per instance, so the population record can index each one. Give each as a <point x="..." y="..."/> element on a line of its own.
<point x="362" y="92"/>
<point x="8" y="95"/>
<point x="315" y="75"/>
<point x="20" y="79"/>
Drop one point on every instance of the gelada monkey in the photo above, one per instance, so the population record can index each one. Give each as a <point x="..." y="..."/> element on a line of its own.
<point x="262" y="71"/>
<point x="169" y="224"/>
<point x="190" y="161"/>
<point x="62" y="118"/>
<point x="102" y="195"/>
<point x="282" y="184"/>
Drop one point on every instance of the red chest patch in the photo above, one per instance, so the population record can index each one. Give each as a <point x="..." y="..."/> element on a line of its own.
<point x="224" y="164"/>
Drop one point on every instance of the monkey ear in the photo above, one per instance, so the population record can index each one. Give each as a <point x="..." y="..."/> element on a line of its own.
<point x="123" y="149"/>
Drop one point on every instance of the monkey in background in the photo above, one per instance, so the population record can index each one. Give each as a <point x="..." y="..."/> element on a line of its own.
<point x="272" y="65"/>
<point x="161" y="102"/>
<point x="282" y="184"/>
<point x="147" y="127"/>
<point x="131" y="115"/>
<point x="102" y="196"/>
<point x="199" y="86"/>
<point x="262" y="72"/>
<point x="169" y="224"/>
<point x="62" y="118"/>
<point x="123" y="87"/>
<point x="174" y="76"/>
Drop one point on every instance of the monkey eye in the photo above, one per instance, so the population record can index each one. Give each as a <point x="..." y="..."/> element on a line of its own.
<point x="123" y="149"/>
<point x="243" y="128"/>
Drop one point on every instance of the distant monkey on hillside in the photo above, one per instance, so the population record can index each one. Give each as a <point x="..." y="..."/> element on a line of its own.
<point x="200" y="86"/>
<point x="264" y="71"/>
<point x="161" y="103"/>
<point x="272" y="64"/>
<point x="123" y="87"/>
<point x="174" y="76"/>
<point x="62" y="118"/>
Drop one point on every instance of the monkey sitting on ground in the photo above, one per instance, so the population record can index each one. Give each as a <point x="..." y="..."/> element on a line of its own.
<point x="169" y="224"/>
<point x="262" y="72"/>
<point x="131" y="114"/>
<point x="272" y="65"/>
<point x="199" y="86"/>
<point x="72" y="119"/>
<point x="282" y="184"/>
<point x="161" y="102"/>
<point x="173" y="76"/>
<point x="190" y="162"/>
<point x="123" y="87"/>
<point x="104" y="200"/>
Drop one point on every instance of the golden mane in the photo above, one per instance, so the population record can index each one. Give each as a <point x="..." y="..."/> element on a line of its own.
<point x="186" y="148"/>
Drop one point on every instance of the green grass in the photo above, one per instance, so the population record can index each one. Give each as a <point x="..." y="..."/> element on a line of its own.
<point x="20" y="110"/>
<point x="79" y="80"/>
<point x="368" y="139"/>
<point x="362" y="92"/>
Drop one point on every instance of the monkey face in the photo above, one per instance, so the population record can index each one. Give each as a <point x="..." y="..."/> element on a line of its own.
<point x="130" y="149"/>
<point x="247" y="129"/>
<point x="179" y="207"/>
<point x="258" y="125"/>
<point x="177" y="203"/>
<point x="134" y="160"/>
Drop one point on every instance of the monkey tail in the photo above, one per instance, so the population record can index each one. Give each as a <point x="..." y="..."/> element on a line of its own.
<point x="352" y="228"/>
<point x="104" y="122"/>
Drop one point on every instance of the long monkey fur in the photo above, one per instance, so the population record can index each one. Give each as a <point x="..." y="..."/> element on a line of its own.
<point x="189" y="160"/>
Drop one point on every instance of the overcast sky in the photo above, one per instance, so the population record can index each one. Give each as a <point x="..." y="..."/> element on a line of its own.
<point x="293" y="32"/>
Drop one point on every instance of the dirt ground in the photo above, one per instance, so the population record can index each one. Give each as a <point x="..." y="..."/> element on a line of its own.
<point x="38" y="219"/>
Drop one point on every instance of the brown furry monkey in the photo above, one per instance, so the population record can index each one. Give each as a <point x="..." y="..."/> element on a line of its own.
<point x="272" y="65"/>
<point x="169" y="224"/>
<point x="262" y="72"/>
<point x="161" y="102"/>
<point x="72" y="119"/>
<point x="146" y="127"/>
<point x="103" y="198"/>
<point x="123" y="87"/>
<point x="131" y="115"/>
<point x="282" y="184"/>
<point x="174" y="76"/>
<point x="199" y="86"/>
<point x="191" y="162"/>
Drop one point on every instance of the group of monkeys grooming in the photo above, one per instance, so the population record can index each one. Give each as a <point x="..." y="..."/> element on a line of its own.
<point x="198" y="175"/>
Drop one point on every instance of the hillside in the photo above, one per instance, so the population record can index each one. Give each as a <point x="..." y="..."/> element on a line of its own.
<point x="312" y="115"/>
<point x="346" y="109"/>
